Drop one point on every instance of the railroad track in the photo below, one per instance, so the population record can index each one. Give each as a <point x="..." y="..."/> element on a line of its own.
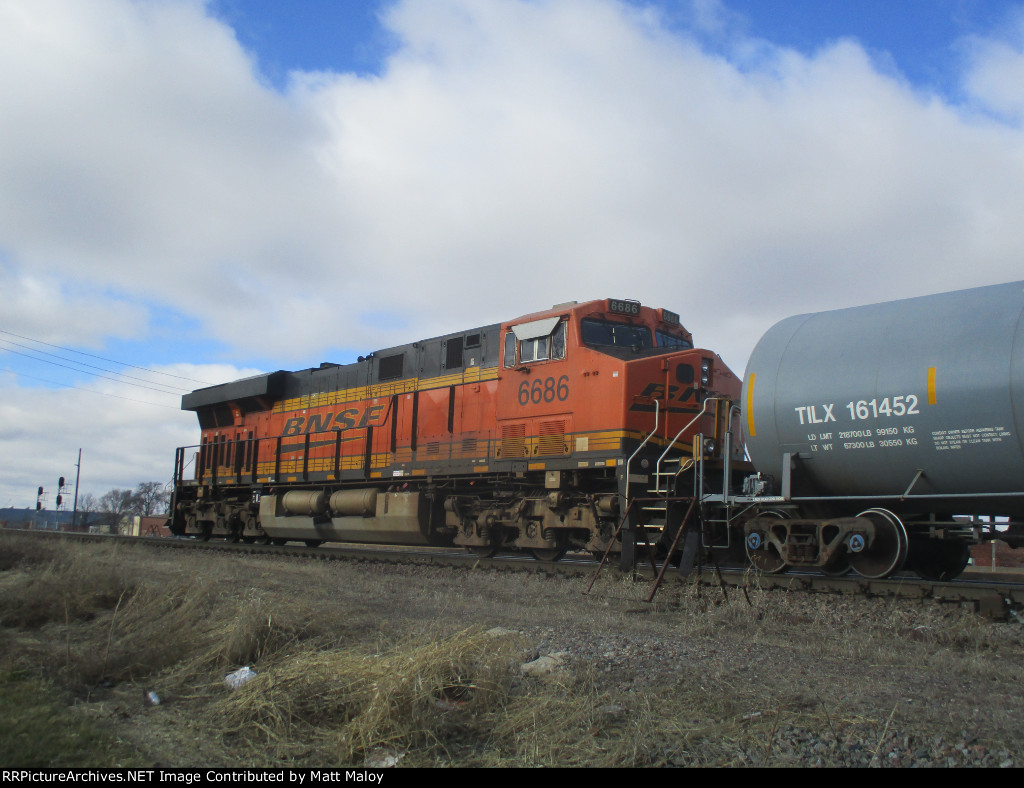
<point x="998" y="596"/>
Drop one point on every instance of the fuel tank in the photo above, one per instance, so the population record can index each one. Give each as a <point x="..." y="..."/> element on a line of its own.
<point x="922" y="398"/>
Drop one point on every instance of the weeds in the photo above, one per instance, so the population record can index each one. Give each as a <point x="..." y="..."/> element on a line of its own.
<point x="356" y="660"/>
<point x="37" y="729"/>
<point x="347" y="703"/>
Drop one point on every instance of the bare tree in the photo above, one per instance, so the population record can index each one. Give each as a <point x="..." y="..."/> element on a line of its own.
<point x="150" y="498"/>
<point x="88" y="511"/>
<point x="115" y="506"/>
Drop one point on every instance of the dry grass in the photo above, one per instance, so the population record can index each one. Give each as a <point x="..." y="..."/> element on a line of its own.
<point x="358" y="660"/>
<point x="346" y="703"/>
<point x="68" y="587"/>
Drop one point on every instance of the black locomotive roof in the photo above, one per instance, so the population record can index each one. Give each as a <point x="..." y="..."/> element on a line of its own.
<point x="429" y="358"/>
<point x="271" y="385"/>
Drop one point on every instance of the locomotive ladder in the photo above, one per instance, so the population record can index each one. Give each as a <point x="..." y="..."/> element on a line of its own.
<point x="655" y="514"/>
<point x="655" y="509"/>
<point x="658" y="572"/>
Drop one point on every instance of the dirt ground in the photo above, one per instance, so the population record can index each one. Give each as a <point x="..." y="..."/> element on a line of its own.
<point x="362" y="663"/>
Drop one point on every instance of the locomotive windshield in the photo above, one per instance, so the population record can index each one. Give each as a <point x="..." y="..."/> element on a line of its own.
<point x="678" y="343"/>
<point x="603" y="333"/>
<point x="618" y="338"/>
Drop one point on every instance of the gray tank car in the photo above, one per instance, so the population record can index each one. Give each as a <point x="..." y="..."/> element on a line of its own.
<point x="875" y="427"/>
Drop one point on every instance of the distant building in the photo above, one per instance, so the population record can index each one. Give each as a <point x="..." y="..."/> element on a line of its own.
<point x="47" y="519"/>
<point x="997" y="553"/>
<point x="150" y="526"/>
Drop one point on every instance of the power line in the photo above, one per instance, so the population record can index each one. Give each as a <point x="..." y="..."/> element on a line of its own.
<point x="91" y="391"/>
<point x="121" y="375"/>
<point x="102" y="358"/>
<point x="105" y="377"/>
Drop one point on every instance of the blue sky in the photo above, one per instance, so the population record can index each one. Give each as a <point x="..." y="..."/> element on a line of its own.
<point x="206" y="190"/>
<point x="920" y="36"/>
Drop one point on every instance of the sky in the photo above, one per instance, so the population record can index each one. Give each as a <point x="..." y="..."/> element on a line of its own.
<point x="193" y="191"/>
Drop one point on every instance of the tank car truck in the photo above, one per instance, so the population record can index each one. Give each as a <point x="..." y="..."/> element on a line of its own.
<point x="537" y="434"/>
<point x="885" y="436"/>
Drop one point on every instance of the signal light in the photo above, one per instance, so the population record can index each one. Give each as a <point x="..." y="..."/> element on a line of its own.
<point x="60" y="482"/>
<point x="59" y="499"/>
<point x="40" y="491"/>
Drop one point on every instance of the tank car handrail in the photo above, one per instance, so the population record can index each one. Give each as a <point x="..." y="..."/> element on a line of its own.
<point x="914" y="497"/>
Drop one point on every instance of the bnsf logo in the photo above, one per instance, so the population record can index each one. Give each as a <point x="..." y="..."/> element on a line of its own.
<point x="675" y="394"/>
<point x="353" y="418"/>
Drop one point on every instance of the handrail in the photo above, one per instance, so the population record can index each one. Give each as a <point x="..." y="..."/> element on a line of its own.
<point x="625" y="493"/>
<point x="672" y="443"/>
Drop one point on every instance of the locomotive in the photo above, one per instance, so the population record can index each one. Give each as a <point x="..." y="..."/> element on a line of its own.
<point x="527" y="435"/>
<point x="866" y="439"/>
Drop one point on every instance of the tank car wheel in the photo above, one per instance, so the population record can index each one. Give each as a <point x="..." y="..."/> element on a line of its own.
<point x="483" y="551"/>
<point x="279" y="541"/>
<point x="248" y="539"/>
<point x="939" y="560"/>
<point x="314" y="542"/>
<point x="838" y="566"/>
<point x="767" y="559"/>
<point x="553" y="554"/>
<point x="888" y="552"/>
<point x="761" y="553"/>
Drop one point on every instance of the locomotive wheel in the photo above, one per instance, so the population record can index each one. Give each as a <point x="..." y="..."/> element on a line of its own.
<point x="554" y="554"/>
<point x="314" y="542"/>
<point x="483" y="551"/>
<point x="939" y="559"/>
<point x="888" y="552"/>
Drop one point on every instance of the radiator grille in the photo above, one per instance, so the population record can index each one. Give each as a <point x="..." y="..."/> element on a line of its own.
<point x="552" y="438"/>
<point x="513" y="441"/>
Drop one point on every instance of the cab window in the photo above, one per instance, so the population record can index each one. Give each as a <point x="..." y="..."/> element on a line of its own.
<point x="541" y="340"/>
<point x="510" y="349"/>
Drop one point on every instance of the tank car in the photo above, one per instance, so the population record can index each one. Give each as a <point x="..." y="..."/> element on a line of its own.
<point x="536" y="434"/>
<point x="885" y="435"/>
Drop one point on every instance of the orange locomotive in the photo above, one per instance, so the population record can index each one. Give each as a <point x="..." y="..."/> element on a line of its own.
<point x="536" y="434"/>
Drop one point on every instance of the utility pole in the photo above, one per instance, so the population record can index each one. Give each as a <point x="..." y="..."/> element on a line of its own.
<point x="78" y="472"/>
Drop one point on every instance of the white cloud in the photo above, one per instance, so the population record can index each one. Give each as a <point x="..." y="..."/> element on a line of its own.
<point x="128" y="433"/>
<point x="994" y="77"/>
<point x="509" y="155"/>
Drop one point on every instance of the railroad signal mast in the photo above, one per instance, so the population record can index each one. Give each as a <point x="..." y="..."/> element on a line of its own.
<point x="61" y="492"/>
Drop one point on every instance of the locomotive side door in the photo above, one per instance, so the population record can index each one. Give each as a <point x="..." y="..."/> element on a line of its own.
<point x="533" y="409"/>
